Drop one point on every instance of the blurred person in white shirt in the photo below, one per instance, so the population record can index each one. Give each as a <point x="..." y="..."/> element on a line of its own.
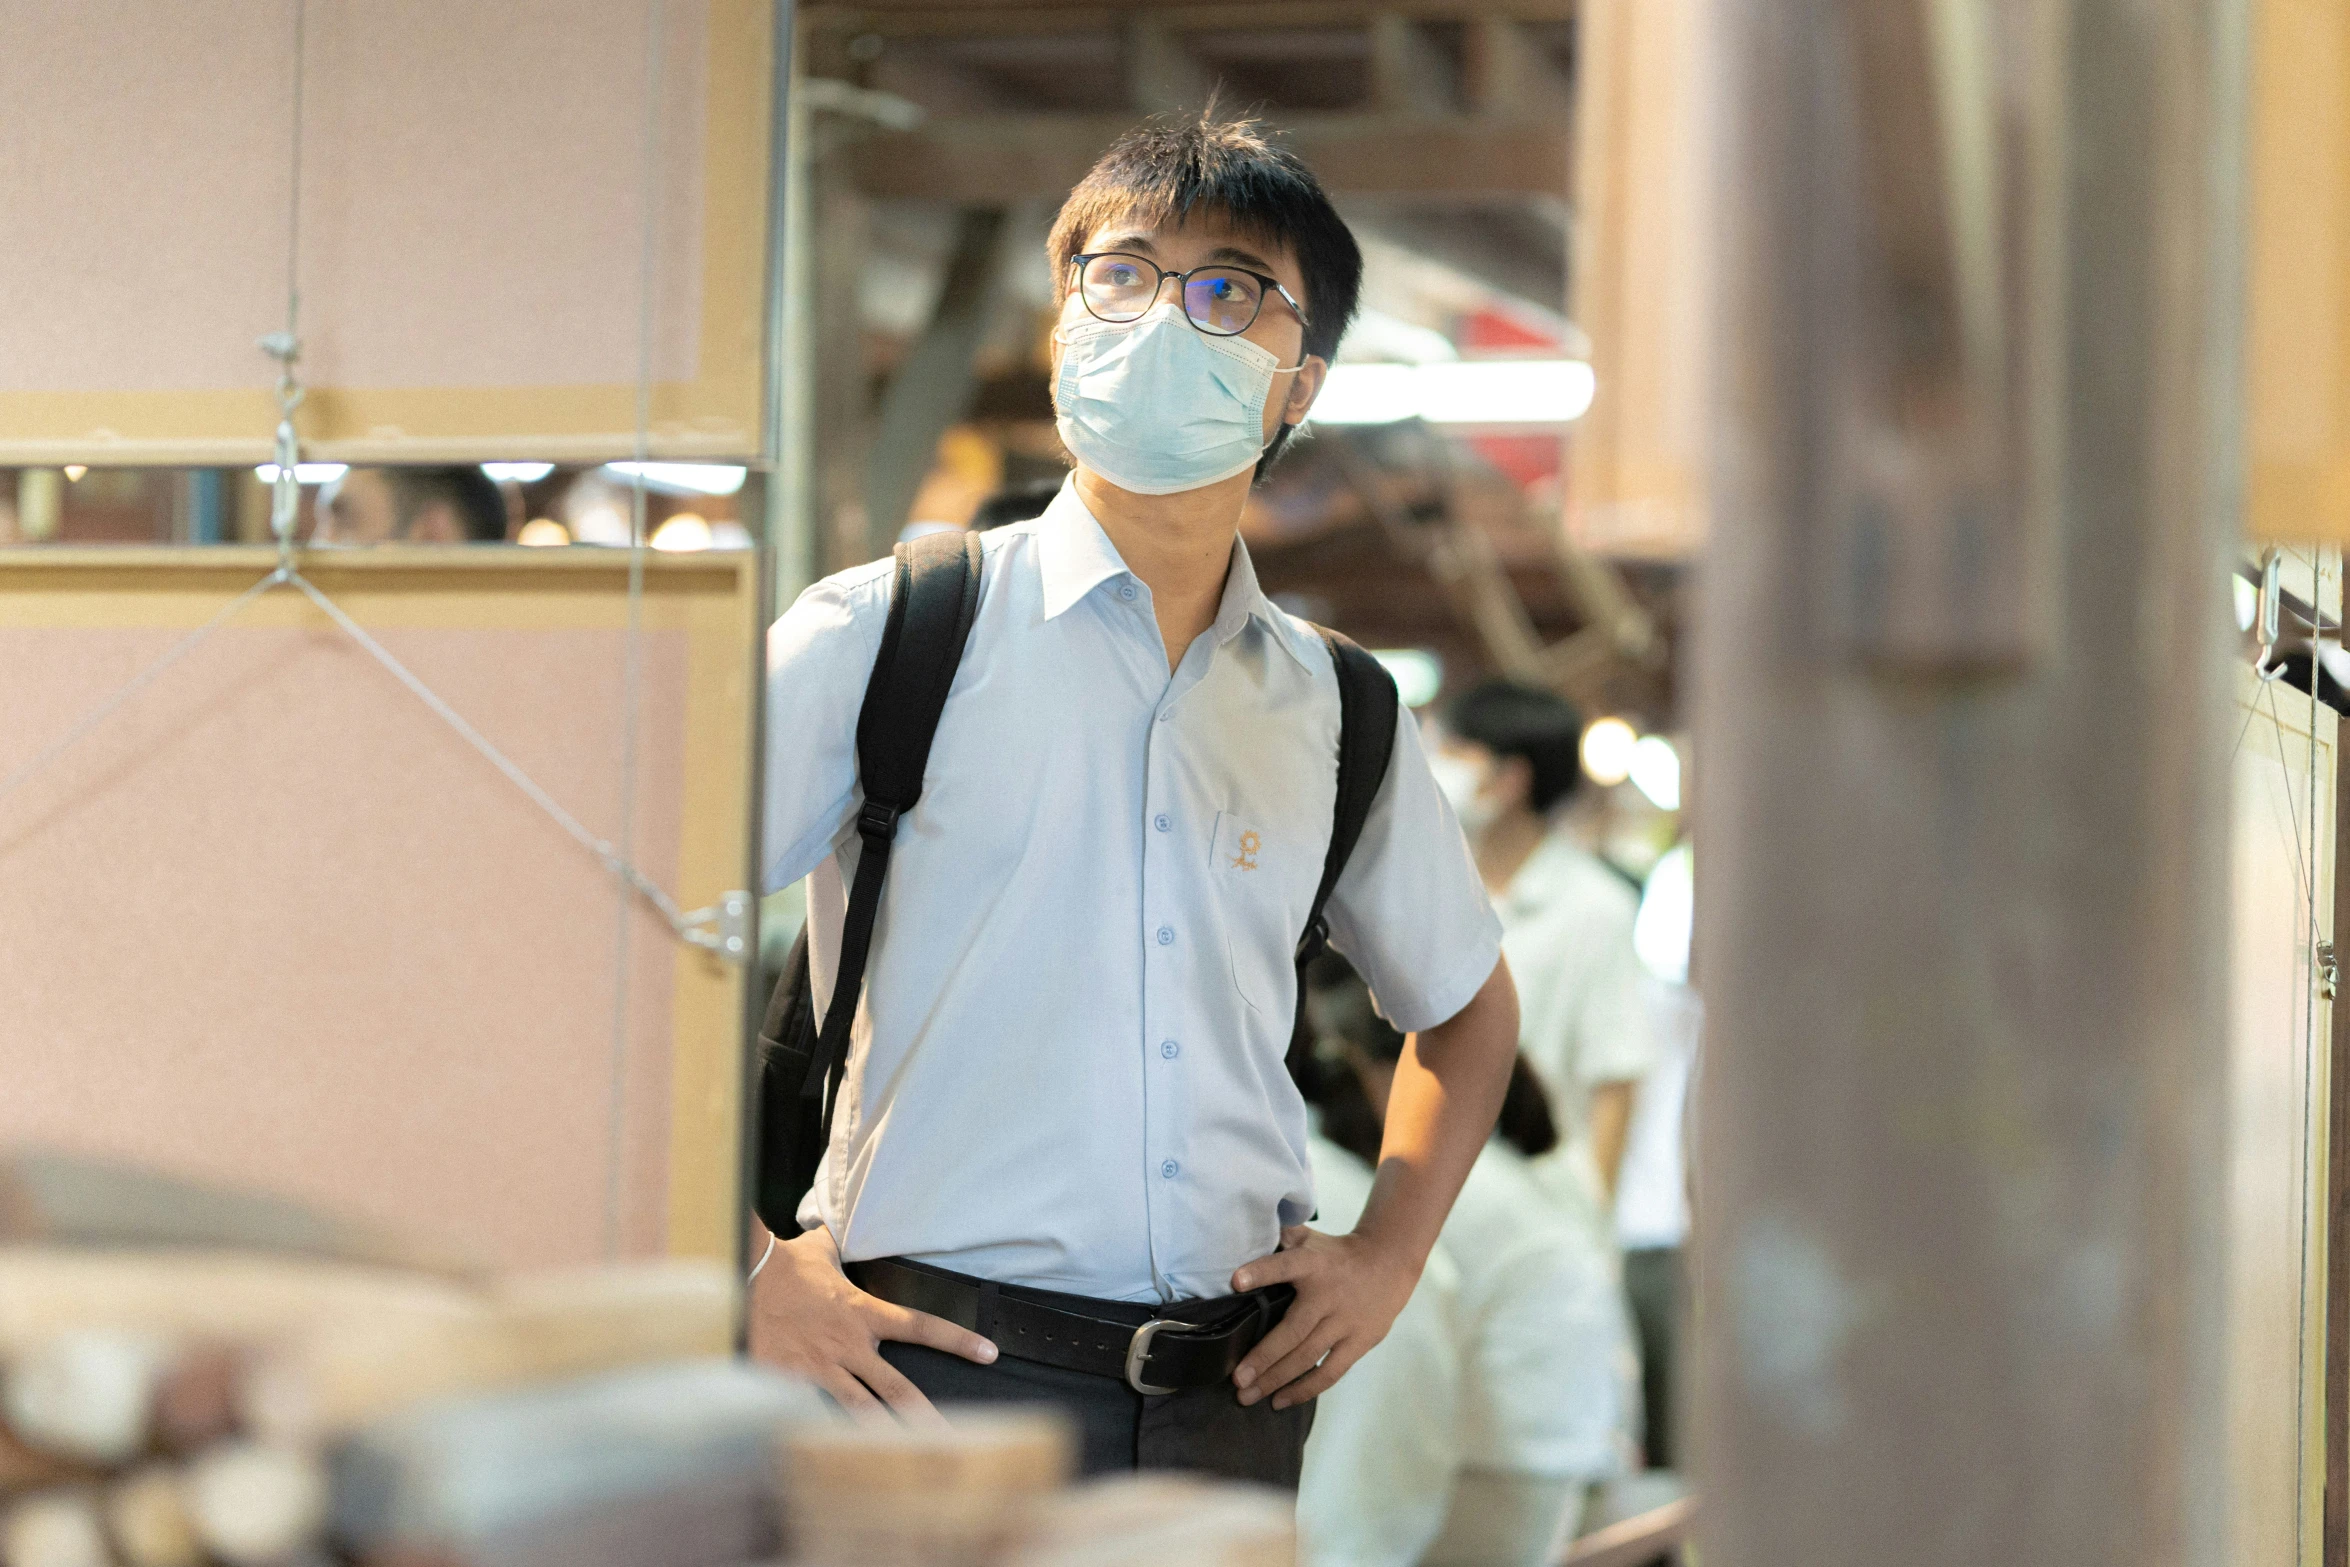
<point x="1508" y="758"/>
<point x="1652" y="1194"/>
<point x="1478" y="1430"/>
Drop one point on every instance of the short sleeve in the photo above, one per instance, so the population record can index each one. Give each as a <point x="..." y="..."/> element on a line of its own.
<point x="819" y="660"/>
<point x="1409" y="910"/>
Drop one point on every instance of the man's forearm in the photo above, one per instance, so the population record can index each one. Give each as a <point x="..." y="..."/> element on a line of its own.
<point x="1610" y="1115"/>
<point x="1447" y="1092"/>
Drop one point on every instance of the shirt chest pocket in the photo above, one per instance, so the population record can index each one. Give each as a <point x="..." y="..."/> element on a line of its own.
<point x="1255" y="876"/>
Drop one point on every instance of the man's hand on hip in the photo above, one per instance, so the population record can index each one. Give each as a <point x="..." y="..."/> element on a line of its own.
<point x="1349" y="1290"/>
<point x="806" y="1317"/>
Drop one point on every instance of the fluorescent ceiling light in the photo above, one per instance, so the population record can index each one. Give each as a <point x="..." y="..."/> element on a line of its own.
<point x="1656" y="772"/>
<point x="519" y="472"/>
<point x="304" y="472"/>
<point x="1466" y="391"/>
<point x="698" y="478"/>
<point x="1419" y="674"/>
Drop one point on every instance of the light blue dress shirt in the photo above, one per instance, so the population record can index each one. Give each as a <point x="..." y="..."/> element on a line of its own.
<point x="1067" y="1072"/>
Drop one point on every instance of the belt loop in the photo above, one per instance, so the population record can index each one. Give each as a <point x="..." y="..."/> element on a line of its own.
<point x="988" y="1290"/>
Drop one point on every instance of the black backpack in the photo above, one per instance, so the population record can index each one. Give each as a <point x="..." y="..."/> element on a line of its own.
<point x="802" y="1060"/>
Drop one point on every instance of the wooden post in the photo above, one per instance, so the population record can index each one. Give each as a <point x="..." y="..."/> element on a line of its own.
<point x="1962" y="1140"/>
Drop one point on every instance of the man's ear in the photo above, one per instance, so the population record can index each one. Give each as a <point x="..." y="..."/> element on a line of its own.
<point x="1304" y="388"/>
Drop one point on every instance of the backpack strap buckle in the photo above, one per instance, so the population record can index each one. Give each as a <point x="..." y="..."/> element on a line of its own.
<point x="878" y="822"/>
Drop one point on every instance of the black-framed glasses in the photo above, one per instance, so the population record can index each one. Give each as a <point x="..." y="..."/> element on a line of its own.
<point x="1221" y="300"/>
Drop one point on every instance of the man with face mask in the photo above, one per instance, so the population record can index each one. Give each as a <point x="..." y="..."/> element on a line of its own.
<point x="1065" y="1099"/>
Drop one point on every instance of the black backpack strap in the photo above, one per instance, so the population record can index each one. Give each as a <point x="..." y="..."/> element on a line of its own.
<point x="1367" y="716"/>
<point x="929" y="621"/>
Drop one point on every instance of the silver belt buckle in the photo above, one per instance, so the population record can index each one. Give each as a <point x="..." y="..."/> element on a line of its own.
<point x="1138" y="1354"/>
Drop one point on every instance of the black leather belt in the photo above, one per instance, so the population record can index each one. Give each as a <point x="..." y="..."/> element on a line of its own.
<point x="1152" y="1349"/>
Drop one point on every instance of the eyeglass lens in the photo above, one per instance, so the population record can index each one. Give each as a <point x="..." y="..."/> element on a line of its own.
<point x="1217" y="299"/>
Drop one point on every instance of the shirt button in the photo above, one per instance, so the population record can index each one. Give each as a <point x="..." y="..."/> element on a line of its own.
<point x="1169" y="1050"/>
<point x="1126" y="591"/>
<point x="1163" y="822"/>
<point x="1166" y="935"/>
<point x="1167" y="1170"/>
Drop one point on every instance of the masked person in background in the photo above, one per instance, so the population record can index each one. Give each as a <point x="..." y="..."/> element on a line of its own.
<point x="1064" y="1103"/>
<point x="1509" y="761"/>
<point x="1474" y="1435"/>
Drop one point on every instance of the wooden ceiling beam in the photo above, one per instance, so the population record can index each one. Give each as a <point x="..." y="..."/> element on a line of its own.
<point x="1038" y="157"/>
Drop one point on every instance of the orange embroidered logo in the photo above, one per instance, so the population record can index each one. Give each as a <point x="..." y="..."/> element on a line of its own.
<point x="1246" y="859"/>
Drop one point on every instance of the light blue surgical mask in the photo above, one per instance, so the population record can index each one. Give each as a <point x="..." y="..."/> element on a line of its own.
<point x="1157" y="406"/>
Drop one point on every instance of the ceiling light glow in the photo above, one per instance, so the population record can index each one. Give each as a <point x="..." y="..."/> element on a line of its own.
<point x="304" y="472"/>
<point x="1467" y="391"/>
<point x="682" y="534"/>
<point x="543" y="533"/>
<point x="1418" y="673"/>
<point x="1608" y="744"/>
<point x="516" y="472"/>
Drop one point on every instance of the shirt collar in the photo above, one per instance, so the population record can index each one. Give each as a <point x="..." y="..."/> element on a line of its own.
<point x="1074" y="556"/>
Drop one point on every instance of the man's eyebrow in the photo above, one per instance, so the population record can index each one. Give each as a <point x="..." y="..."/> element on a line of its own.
<point x="1241" y="258"/>
<point x="1139" y="243"/>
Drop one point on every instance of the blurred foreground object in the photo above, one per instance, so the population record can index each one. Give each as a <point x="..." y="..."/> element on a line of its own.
<point x="1159" y="1521"/>
<point x="68" y="1200"/>
<point x="921" y="1495"/>
<point x="178" y="1402"/>
<point x="1977" y="317"/>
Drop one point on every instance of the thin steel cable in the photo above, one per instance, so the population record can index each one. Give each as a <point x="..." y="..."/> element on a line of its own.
<point x="616" y="1127"/>
<point x="601" y="849"/>
<point x="2317" y="599"/>
<point x="286" y="346"/>
<point x="2292" y="806"/>
<point x="294" y="195"/>
<point x="132" y="687"/>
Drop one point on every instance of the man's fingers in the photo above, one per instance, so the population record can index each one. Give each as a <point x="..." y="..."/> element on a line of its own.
<point x="1282" y="1267"/>
<point x="1318" y="1381"/>
<point x="1287" y="1336"/>
<point x="907" y="1326"/>
<point x="851" y="1394"/>
<point x="1291" y="1366"/>
<point x="903" y="1397"/>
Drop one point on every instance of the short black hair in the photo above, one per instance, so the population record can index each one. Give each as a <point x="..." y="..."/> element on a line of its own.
<point x="1510" y="719"/>
<point x="472" y="495"/>
<point x="1167" y="168"/>
<point x="1338" y="1007"/>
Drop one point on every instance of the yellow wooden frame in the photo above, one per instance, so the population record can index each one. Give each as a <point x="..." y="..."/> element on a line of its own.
<point x="718" y="414"/>
<point x="2297" y="341"/>
<point x="713" y="599"/>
